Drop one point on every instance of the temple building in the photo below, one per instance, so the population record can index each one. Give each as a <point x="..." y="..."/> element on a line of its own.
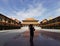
<point x="8" y="23"/>
<point x="28" y="21"/>
<point x="51" y="24"/>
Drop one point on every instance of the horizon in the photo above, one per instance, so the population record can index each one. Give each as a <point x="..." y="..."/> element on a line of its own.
<point x="29" y="18"/>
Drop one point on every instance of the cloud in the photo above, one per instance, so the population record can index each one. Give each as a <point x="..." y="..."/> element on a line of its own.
<point x="57" y="12"/>
<point x="31" y="11"/>
<point x="53" y="13"/>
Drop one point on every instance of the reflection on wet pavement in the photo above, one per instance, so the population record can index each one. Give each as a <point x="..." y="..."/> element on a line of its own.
<point x="39" y="40"/>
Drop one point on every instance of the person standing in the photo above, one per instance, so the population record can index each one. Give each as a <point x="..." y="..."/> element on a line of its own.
<point x="32" y="29"/>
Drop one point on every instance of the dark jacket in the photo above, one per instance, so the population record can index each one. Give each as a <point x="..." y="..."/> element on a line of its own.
<point x="31" y="31"/>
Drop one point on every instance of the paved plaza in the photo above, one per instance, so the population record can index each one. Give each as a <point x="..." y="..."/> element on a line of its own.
<point x="21" y="37"/>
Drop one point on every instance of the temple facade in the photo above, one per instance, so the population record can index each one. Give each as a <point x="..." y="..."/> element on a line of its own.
<point x="51" y="24"/>
<point x="28" y="21"/>
<point x="9" y="23"/>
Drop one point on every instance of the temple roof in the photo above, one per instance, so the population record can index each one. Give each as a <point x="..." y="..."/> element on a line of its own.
<point x="30" y="19"/>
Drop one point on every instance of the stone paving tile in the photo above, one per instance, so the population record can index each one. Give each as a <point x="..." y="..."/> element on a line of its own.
<point x="39" y="40"/>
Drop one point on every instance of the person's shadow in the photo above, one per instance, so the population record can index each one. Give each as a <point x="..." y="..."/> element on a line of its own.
<point x="31" y="42"/>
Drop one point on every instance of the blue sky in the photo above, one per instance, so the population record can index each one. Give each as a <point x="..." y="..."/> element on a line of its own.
<point x="38" y="9"/>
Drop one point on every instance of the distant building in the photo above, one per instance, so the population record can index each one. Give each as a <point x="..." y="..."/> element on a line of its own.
<point x="28" y="21"/>
<point x="51" y="24"/>
<point x="17" y="20"/>
<point x="44" y="21"/>
<point x="8" y="23"/>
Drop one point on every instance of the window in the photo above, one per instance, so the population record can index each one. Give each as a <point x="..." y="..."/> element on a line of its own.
<point x="0" y="19"/>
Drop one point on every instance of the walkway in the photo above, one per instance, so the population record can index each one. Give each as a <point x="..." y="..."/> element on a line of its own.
<point x="22" y="39"/>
